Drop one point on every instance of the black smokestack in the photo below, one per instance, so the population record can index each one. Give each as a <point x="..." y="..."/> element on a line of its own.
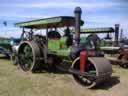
<point x="77" y="13"/>
<point x="116" y="34"/>
<point x="121" y="34"/>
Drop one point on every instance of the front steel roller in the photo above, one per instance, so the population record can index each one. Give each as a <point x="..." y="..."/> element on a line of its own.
<point x="29" y="56"/>
<point x="98" y="69"/>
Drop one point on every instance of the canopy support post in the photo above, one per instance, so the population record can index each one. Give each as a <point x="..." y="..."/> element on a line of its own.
<point x="22" y="35"/>
<point x="31" y="33"/>
<point x="47" y="37"/>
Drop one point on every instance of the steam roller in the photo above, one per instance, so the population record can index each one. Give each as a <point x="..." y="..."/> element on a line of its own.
<point x="88" y="71"/>
<point x="53" y="51"/>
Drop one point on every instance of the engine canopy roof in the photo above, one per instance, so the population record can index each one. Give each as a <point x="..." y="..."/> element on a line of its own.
<point x="53" y="22"/>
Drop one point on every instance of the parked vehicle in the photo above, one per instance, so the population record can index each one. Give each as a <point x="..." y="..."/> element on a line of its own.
<point x="53" y="51"/>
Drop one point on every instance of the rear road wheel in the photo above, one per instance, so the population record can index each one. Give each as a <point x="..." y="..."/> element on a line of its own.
<point x="28" y="56"/>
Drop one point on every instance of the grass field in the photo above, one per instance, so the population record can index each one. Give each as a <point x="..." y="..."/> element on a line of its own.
<point x="15" y="82"/>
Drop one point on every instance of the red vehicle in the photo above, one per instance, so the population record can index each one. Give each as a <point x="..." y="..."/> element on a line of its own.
<point x="123" y="56"/>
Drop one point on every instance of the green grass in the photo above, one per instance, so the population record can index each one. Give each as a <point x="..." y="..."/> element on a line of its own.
<point x="15" y="82"/>
<point x="12" y="83"/>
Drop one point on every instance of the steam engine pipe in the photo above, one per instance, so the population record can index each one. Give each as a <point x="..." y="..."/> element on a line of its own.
<point x="116" y="34"/>
<point x="77" y="13"/>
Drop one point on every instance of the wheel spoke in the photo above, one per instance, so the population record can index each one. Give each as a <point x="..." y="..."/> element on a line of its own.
<point x="26" y="57"/>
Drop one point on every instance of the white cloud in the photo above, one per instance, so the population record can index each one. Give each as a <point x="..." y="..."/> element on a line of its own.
<point x="62" y="4"/>
<point x="107" y="21"/>
<point x="10" y="32"/>
<point x="22" y="17"/>
<point x="15" y="11"/>
<point x="104" y="19"/>
<point x="124" y="25"/>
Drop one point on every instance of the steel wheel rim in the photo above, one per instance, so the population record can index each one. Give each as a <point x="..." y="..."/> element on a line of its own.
<point x="26" y="57"/>
<point x="84" y="81"/>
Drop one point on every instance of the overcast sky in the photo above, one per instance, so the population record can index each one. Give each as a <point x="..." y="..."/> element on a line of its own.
<point x="95" y="13"/>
